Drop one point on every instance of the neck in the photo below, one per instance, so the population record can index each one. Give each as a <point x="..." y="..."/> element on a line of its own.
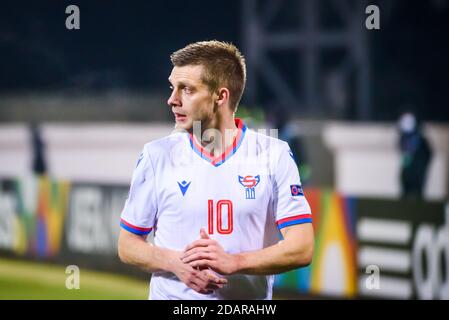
<point x="218" y="134"/>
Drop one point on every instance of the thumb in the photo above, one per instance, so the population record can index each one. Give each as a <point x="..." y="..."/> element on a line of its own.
<point x="203" y="234"/>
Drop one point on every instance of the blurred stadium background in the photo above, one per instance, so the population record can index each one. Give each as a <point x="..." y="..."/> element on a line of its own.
<point x="76" y="107"/>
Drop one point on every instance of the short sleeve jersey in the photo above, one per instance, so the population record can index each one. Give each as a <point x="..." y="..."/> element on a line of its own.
<point x="241" y="198"/>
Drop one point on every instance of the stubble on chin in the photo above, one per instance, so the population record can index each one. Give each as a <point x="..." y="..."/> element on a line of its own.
<point x="183" y="127"/>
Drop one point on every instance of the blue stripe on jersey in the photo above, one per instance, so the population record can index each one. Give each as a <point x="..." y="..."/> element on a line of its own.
<point x="135" y="231"/>
<point x="293" y="222"/>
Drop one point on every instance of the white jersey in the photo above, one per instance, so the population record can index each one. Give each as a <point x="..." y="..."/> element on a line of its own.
<point x="242" y="199"/>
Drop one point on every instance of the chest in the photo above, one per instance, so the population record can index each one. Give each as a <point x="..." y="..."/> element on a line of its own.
<point x="214" y="195"/>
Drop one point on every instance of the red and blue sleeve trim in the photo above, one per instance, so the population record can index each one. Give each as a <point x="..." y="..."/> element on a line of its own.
<point x="136" y="230"/>
<point x="299" y="219"/>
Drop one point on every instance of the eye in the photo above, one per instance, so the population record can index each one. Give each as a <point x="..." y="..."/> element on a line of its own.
<point x="187" y="89"/>
<point x="171" y="87"/>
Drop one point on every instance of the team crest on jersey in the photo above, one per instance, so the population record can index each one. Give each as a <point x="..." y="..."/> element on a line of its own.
<point x="296" y="190"/>
<point x="250" y="183"/>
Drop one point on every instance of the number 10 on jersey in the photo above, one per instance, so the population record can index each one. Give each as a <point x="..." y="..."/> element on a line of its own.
<point x="217" y="218"/>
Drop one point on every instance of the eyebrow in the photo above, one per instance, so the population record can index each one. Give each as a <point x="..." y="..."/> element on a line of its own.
<point x="181" y="84"/>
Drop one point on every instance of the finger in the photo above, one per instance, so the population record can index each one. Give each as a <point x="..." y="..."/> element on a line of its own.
<point x="207" y="278"/>
<point x="198" y="256"/>
<point x="195" y="250"/>
<point x="202" y="283"/>
<point x="203" y="276"/>
<point x="202" y="264"/>
<point x="200" y="290"/>
<point x="219" y="280"/>
<point x="199" y="243"/>
<point x="214" y="286"/>
<point x="214" y="277"/>
<point x="203" y="234"/>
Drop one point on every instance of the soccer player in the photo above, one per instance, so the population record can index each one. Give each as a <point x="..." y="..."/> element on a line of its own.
<point x="217" y="195"/>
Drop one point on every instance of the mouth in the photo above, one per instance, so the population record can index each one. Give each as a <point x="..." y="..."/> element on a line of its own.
<point x="180" y="117"/>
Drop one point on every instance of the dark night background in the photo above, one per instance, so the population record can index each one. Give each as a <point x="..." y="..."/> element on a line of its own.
<point x="126" y="45"/>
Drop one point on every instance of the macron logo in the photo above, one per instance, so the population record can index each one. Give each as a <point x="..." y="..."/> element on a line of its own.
<point x="183" y="186"/>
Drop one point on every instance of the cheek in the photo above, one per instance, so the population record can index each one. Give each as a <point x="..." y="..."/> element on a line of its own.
<point x="205" y="112"/>
<point x="201" y="107"/>
<point x="190" y="103"/>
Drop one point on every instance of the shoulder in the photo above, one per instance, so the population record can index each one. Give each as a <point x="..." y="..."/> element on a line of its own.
<point x="266" y="141"/>
<point x="165" y="144"/>
<point x="268" y="149"/>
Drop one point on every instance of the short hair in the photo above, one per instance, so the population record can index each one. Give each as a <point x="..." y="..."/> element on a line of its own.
<point x="223" y="63"/>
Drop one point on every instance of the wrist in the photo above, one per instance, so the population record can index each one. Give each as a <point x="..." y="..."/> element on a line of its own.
<point x="169" y="260"/>
<point x="173" y="261"/>
<point x="239" y="263"/>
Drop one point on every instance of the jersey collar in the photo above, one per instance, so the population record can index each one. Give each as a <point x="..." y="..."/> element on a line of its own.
<point x="229" y="152"/>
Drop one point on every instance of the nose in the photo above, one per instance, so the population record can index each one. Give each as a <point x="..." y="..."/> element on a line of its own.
<point x="173" y="100"/>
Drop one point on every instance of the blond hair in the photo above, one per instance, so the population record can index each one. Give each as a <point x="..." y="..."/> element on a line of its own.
<point x="223" y="63"/>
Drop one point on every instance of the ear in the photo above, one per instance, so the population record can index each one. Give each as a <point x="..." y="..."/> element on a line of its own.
<point x="222" y="96"/>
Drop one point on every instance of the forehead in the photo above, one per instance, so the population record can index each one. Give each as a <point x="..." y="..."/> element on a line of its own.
<point x="189" y="73"/>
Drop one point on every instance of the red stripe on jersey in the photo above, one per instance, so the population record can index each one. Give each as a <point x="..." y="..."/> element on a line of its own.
<point x="299" y="217"/>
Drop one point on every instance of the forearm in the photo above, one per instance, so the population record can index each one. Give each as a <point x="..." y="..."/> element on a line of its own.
<point x="296" y="250"/>
<point x="134" y="250"/>
<point x="278" y="258"/>
<point x="150" y="258"/>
